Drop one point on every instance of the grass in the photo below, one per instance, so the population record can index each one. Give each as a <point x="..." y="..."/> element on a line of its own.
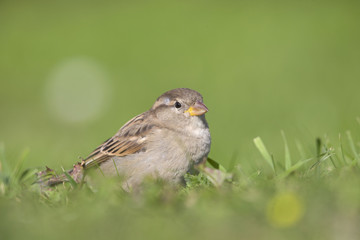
<point x="314" y="196"/>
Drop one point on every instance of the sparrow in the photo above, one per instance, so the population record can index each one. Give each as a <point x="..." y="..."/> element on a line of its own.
<point x="164" y="142"/>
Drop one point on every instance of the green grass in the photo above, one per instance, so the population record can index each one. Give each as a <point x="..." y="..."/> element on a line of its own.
<point x="312" y="197"/>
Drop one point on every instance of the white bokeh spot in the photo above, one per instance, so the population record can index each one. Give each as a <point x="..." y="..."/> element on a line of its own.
<point x="77" y="90"/>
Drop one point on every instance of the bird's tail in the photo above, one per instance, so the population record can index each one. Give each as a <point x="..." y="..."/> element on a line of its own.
<point x="49" y="178"/>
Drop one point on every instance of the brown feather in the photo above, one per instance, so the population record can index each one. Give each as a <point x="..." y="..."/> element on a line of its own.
<point x="128" y="140"/>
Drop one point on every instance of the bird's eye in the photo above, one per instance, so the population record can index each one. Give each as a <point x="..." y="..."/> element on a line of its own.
<point x="177" y="105"/>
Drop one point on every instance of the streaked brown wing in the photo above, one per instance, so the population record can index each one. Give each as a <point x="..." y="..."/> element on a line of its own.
<point x="128" y="140"/>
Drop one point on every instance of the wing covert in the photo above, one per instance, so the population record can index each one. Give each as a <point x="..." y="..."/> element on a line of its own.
<point x="130" y="139"/>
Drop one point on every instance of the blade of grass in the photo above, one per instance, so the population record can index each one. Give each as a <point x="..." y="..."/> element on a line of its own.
<point x="300" y="149"/>
<point x="318" y="147"/>
<point x="4" y="167"/>
<point x="273" y="162"/>
<point x="28" y="174"/>
<point x="322" y="158"/>
<point x="117" y="172"/>
<point x="329" y="149"/>
<point x="98" y="167"/>
<point x="341" y="150"/>
<point x="318" y="153"/>
<point x="352" y="146"/>
<point x="294" y="167"/>
<point x="232" y="162"/>
<point x="71" y="180"/>
<point x="17" y="170"/>
<point x="216" y="165"/>
<point x="264" y="152"/>
<point x="287" y="152"/>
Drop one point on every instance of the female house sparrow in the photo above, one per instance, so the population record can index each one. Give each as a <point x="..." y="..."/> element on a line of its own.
<point x="163" y="142"/>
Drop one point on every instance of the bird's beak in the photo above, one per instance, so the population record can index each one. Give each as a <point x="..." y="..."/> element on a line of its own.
<point x="197" y="109"/>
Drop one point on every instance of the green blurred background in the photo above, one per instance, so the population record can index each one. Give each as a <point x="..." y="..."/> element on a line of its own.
<point x="73" y="72"/>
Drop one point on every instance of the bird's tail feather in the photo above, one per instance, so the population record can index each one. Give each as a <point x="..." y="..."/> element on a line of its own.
<point x="48" y="177"/>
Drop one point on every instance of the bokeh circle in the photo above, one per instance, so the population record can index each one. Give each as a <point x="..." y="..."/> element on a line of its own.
<point x="77" y="90"/>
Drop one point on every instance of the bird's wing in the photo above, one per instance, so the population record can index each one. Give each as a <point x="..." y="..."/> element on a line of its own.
<point x="128" y="140"/>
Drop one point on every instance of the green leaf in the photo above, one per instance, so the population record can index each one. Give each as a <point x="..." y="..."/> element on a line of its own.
<point x="264" y="152"/>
